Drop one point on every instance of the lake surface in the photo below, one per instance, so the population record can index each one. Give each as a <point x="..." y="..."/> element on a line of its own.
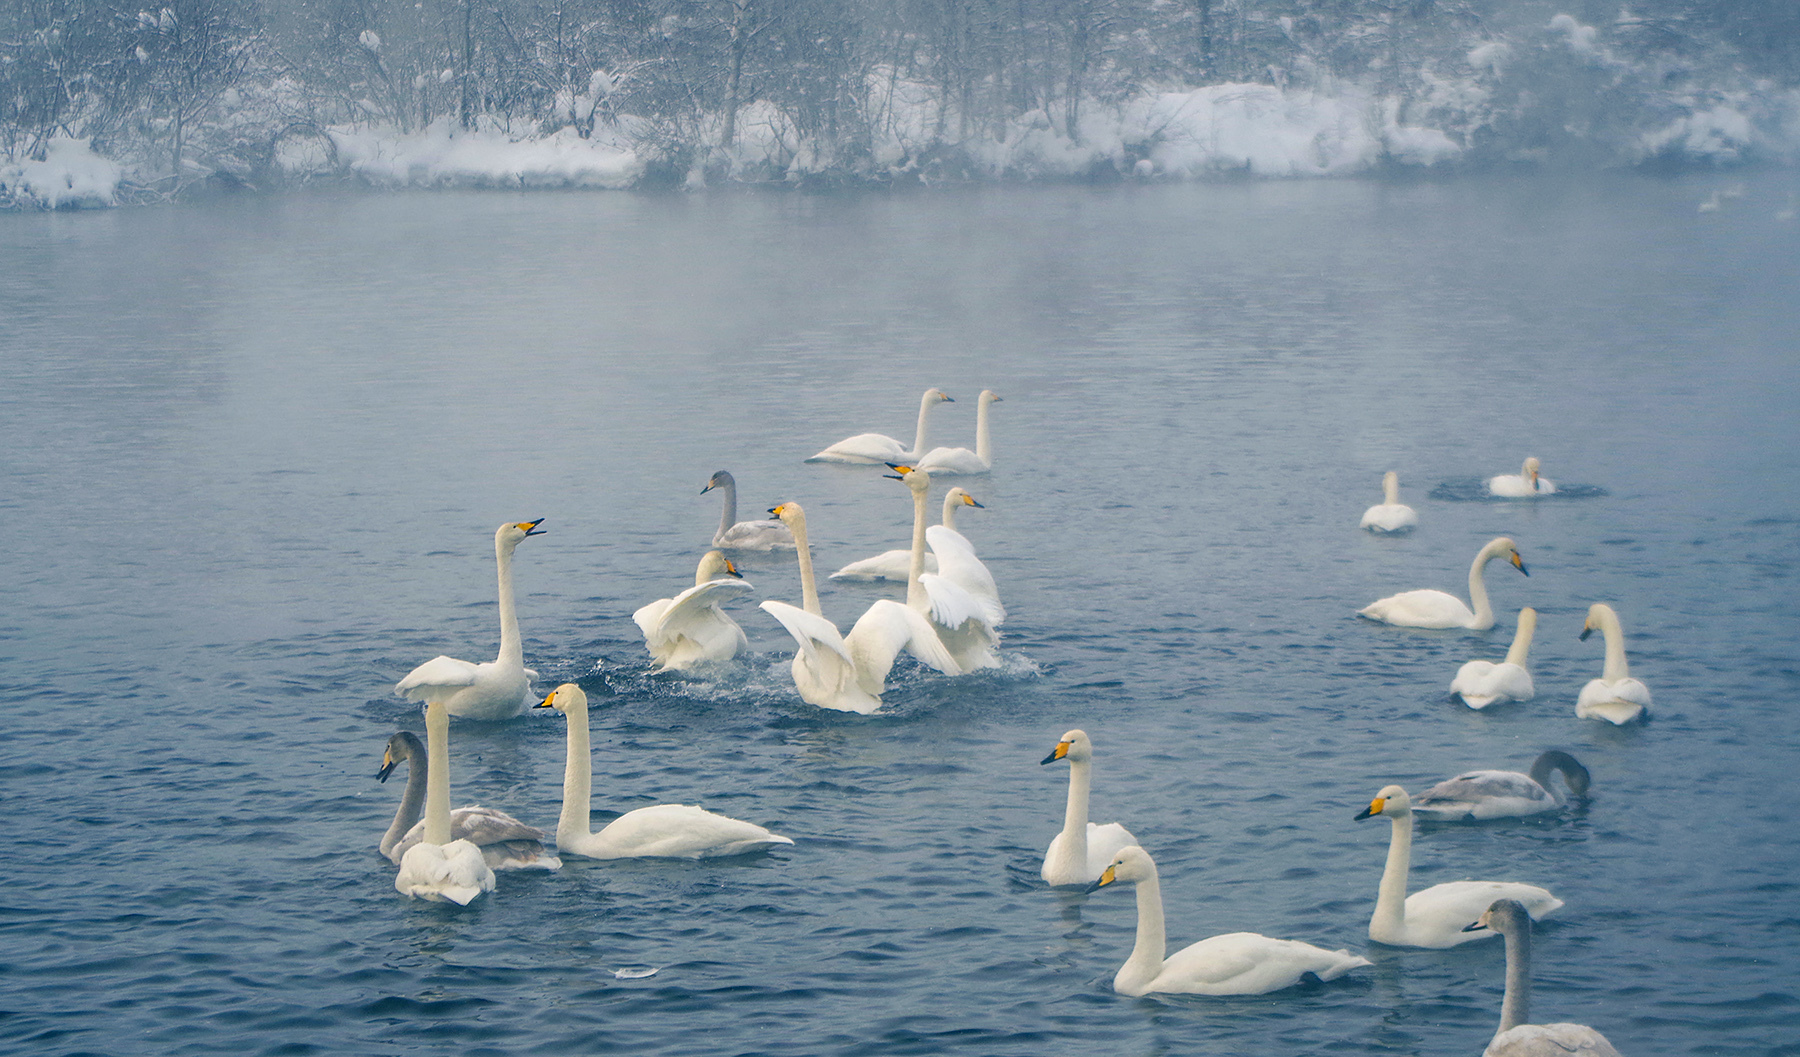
<point x="253" y="452"/>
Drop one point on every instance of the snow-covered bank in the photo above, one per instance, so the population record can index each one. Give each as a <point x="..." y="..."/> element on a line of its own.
<point x="70" y="175"/>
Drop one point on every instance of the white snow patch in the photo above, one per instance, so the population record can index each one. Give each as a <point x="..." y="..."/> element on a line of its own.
<point x="1254" y="128"/>
<point x="1722" y="133"/>
<point x="444" y="155"/>
<point x="71" y="175"/>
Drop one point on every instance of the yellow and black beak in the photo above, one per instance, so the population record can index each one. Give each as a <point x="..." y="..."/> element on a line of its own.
<point x="388" y="763"/>
<point x="545" y="703"/>
<point x="1519" y="564"/>
<point x="775" y="511"/>
<point x="1372" y="810"/>
<point x="530" y="528"/>
<point x="1105" y="879"/>
<point x="732" y="569"/>
<point x="1585" y="632"/>
<point x="1061" y="750"/>
<point x="970" y="500"/>
<point x="900" y="471"/>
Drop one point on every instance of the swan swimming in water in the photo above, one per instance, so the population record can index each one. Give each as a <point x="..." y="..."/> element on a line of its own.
<point x="441" y="868"/>
<point x="897" y="563"/>
<point x="1081" y="852"/>
<point x="690" y="629"/>
<point x="1481" y="683"/>
<point x="946" y="462"/>
<point x="1435" y="916"/>
<point x="496" y="689"/>
<point x="960" y="599"/>
<point x="1503" y="794"/>
<point x="1515" y="1037"/>
<point x="744" y="535"/>
<point x="1390" y="515"/>
<point x="848" y="672"/>
<point x="1527" y="482"/>
<point x="505" y="842"/>
<point x="666" y="831"/>
<point x="1427" y="608"/>
<point x="1235" y="963"/>
<point x="873" y="448"/>
<point x="1615" y="697"/>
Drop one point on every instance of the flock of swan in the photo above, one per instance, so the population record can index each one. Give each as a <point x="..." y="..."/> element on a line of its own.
<point x="950" y="622"/>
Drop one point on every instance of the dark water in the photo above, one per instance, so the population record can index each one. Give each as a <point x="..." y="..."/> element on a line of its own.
<point x="252" y="455"/>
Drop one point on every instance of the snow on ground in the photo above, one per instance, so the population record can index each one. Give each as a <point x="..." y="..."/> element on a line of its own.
<point x="444" y="155"/>
<point x="70" y="176"/>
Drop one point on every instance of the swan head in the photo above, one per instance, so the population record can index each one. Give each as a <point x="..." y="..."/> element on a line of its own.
<point x="958" y="495"/>
<point x="1131" y="864"/>
<point x="721" y="479"/>
<point x="788" y="514"/>
<point x="566" y="698"/>
<point x="1392" y="801"/>
<point x="509" y="535"/>
<point x="937" y="396"/>
<point x="914" y="478"/>
<point x="1504" y="547"/>
<point x="713" y="566"/>
<point x="404" y="745"/>
<point x="1074" y="747"/>
<point x="1596" y="619"/>
<point x="1530" y="470"/>
<point x="1506" y="916"/>
<point x="988" y="396"/>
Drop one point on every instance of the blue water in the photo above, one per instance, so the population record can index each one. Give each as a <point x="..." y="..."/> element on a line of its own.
<point x="252" y="454"/>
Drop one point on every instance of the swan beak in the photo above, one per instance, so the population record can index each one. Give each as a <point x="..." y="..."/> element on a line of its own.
<point x="707" y="489"/>
<point x="530" y="528"/>
<point x="1372" y="810"/>
<point x="1105" y="879"/>
<point x="1519" y="563"/>
<point x="1061" y="750"/>
<point x="897" y="468"/>
<point x="1474" y="927"/>
<point x="1585" y="632"/>
<point x="388" y="763"/>
<point x="970" y="500"/>
<point x="732" y="569"/>
<point x="775" y="511"/>
<point x="545" y="703"/>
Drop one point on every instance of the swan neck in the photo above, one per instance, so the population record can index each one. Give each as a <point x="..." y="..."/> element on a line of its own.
<point x="950" y="505"/>
<point x="809" y="585"/>
<point x="919" y="435"/>
<point x="1075" y="815"/>
<point x="412" y="802"/>
<point x="1515" y="1008"/>
<point x="915" y="590"/>
<point x="437" y="773"/>
<point x="1146" y="959"/>
<point x="578" y="780"/>
<point x="728" y="516"/>
<point x="1616" y="668"/>
<point x="1478" y="596"/>
<point x="984" y="448"/>
<point x="1521" y="643"/>
<point x="1390" y="900"/>
<point x="511" y="649"/>
<point x="1390" y="489"/>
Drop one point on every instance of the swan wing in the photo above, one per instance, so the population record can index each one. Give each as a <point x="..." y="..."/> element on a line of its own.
<point x="455" y="872"/>
<point x="437" y="673"/>
<point x="1484" y="794"/>
<point x="889" y="565"/>
<point x="864" y="448"/>
<point x="1540" y="1040"/>
<point x="1389" y="517"/>
<point x="1617" y="701"/>
<point x="1481" y="683"/>
<point x="755" y="536"/>
<point x="682" y="831"/>
<point x="1436" y="916"/>
<point x="952" y="605"/>
<point x="695" y="610"/>
<point x="505" y="842"/>
<point x="813" y="634"/>
<point x="824" y="670"/>
<point x="957" y="563"/>
<point x="886" y="628"/>
<point x="1248" y="963"/>
<point x="951" y="462"/>
<point x="1104" y="842"/>
<point x="1424" y="608"/>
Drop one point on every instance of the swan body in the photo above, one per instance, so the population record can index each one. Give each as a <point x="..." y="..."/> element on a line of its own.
<point x="1082" y="851"/>
<point x="1527" y="482"/>
<point x="665" y="831"/>
<point x="1440" y="609"/>
<point x="1503" y="794"/>
<point x="897" y="563"/>
<point x="690" y="629"/>
<point x="848" y="673"/>
<point x="1435" y="916"/>
<point x="876" y="448"/>
<point x="744" y="535"/>
<point x="1481" y="683"/>
<point x="1236" y="963"/>
<point x="505" y="842"/>
<point x="1615" y="697"/>
<point x="496" y="689"/>
<point x="1517" y="1039"/>
<point x="441" y="868"/>
<point x="1390" y="515"/>
<point x="946" y="462"/>
<point x="959" y="600"/>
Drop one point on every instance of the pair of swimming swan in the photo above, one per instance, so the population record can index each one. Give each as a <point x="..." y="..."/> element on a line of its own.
<point x="690" y="629"/>
<point x="505" y="842"/>
<point x="1428" y="608"/>
<point x="1527" y="482"/>
<point x="1390" y="515"/>
<point x="875" y="448"/>
<point x="896" y="564"/>
<point x="1515" y="1038"/>
<point x="1479" y="795"/>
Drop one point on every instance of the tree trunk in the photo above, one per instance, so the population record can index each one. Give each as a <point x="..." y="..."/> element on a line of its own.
<point x="740" y="41"/>
<point x="468" y="65"/>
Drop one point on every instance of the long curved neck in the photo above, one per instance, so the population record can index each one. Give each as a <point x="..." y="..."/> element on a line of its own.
<point x="411" y="803"/>
<point x="437" y="773"/>
<point x="1146" y="959"/>
<point x="915" y="591"/>
<point x="728" y="516"/>
<point x="1390" y="489"/>
<point x="1390" y="900"/>
<point x="1521" y="643"/>
<point x="809" y="587"/>
<point x="511" y="649"/>
<point x="578" y="780"/>
<point x="1075" y="815"/>
<point x="951" y="502"/>
<point x="1616" y="668"/>
<point x="1515" y="1008"/>
<point x="1478" y="596"/>
<point x="984" y="448"/>
<point x="924" y="416"/>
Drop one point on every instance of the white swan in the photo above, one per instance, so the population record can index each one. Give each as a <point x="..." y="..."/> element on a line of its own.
<point x="1435" y="916"/>
<point x="1390" y="515"/>
<point x="946" y="462"/>
<point x="897" y="563"/>
<point x="1615" y="697"/>
<point x="441" y="868"/>
<point x="666" y="831"/>
<point x="1527" y="482"/>
<point x="1236" y="963"/>
<point x="1481" y="683"/>
<point x="1428" y="608"/>
<point x="496" y="689"/>
<point x="1503" y="794"/>
<point x="1079" y="854"/>
<point x="505" y="842"/>
<point x="869" y="448"/>
<point x="959" y="599"/>
<point x="1516" y="1038"/>
<point x="848" y="672"/>
<point x="744" y="535"/>
<point x="690" y="629"/>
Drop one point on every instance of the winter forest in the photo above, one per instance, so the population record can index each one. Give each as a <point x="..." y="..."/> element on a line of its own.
<point x="103" y="99"/>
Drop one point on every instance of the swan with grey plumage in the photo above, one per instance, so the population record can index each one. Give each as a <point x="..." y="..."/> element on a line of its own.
<point x="1515" y="1037"/>
<point x="1481" y="683"/>
<point x="877" y="448"/>
<point x="1428" y="608"/>
<point x="1615" y="697"/>
<point x="744" y="535"/>
<point x="505" y="842"/>
<point x="1504" y="794"/>
<point x="691" y="629"/>
<point x="441" y="868"/>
